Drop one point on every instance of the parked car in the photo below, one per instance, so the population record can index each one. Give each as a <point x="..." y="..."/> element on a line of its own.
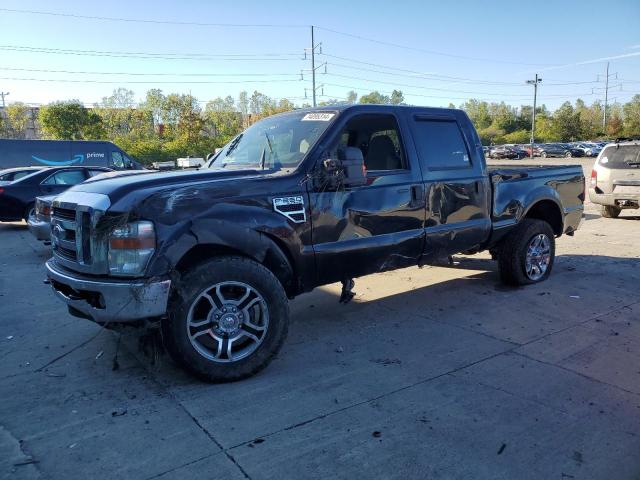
<point x="558" y="150"/>
<point x="589" y="149"/>
<point x="40" y="222"/>
<point x="615" y="178"/>
<point x="502" y="151"/>
<point x="59" y="153"/>
<point x="300" y="199"/>
<point x="13" y="174"/>
<point x="17" y="198"/>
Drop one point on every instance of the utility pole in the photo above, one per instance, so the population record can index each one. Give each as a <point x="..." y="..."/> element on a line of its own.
<point x="313" y="67"/>
<point x="535" y="83"/>
<point x="607" y="76"/>
<point x="315" y="48"/>
<point x="3" y="94"/>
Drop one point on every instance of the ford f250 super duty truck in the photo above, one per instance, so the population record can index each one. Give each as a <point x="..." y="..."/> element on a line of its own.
<point x="298" y="200"/>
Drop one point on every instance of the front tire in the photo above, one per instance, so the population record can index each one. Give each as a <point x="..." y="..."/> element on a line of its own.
<point x="543" y="154"/>
<point x="227" y="319"/>
<point x="528" y="253"/>
<point x="568" y="155"/>
<point x="608" y="211"/>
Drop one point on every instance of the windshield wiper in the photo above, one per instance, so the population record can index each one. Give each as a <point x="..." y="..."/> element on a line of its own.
<point x="233" y="145"/>
<point x="264" y="151"/>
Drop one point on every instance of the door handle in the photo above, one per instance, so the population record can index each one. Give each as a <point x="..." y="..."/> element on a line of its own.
<point x="417" y="194"/>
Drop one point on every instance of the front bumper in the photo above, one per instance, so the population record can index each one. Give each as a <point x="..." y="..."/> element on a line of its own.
<point x="109" y="301"/>
<point x="39" y="228"/>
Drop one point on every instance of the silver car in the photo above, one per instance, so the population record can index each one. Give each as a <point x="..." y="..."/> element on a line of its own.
<point x="615" y="178"/>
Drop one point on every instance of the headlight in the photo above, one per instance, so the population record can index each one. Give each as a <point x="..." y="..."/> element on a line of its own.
<point x="131" y="247"/>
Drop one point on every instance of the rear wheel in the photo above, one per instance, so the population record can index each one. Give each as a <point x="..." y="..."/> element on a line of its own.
<point x="228" y="318"/>
<point x="608" y="211"/>
<point x="30" y="211"/>
<point x="528" y="253"/>
<point x="568" y="154"/>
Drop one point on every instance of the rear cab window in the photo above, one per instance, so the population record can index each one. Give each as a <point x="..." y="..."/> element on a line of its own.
<point x="440" y="144"/>
<point x="620" y="156"/>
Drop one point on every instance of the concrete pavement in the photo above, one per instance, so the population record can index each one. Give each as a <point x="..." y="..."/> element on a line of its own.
<point x="428" y="373"/>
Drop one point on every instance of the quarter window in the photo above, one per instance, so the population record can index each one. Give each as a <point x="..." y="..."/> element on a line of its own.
<point x="117" y="159"/>
<point x="440" y="144"/>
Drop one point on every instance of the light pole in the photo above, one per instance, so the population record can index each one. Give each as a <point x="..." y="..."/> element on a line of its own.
<point x="535" y="83"/>
<point x="3" y="94"/>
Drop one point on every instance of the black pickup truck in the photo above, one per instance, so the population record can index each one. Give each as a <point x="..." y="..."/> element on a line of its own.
<point x="298" y="200"/>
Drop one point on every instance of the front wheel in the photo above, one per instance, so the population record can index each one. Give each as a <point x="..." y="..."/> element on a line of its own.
<point x="543" y="154"/>
<point x="568" y="154"/>
<point x="528" y="253"/>
<point x="608" y="211"/>
<point x="227" y="319"/>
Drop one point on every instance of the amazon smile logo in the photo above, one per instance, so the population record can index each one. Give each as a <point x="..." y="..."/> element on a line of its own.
<point x="60" y="163"/>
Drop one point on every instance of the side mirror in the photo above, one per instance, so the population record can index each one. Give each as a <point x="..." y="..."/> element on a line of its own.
<point x="355" y="173"/>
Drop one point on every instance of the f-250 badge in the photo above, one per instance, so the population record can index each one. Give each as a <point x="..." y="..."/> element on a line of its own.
<point x="291" y="207"/>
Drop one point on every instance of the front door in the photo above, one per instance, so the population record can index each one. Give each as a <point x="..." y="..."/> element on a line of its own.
<point x="378" y="226"/>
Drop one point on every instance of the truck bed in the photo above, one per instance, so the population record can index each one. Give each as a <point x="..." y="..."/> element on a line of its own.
<point x="516" y="188"/>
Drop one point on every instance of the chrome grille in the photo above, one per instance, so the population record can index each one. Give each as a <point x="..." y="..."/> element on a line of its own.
<point x="64" y="214"/>
<point x="74" y="216"/>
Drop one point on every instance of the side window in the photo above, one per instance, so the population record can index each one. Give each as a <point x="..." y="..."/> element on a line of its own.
<point x="440" y="144"/>
<point x="117" y="160"/>
<point x="378" y="138"/>
<point x="66" y="177"/>
<point x="93" y="173"/>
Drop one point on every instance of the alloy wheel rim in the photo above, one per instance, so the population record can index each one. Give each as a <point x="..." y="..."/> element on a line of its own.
<point x="538" y="257"/>
<point x="227" y="322"/>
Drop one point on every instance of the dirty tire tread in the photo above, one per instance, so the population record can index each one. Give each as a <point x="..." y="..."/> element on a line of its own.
<point x="191" y="284"/>
<point x="608" y="211"/>
<point x="513" y="252"/>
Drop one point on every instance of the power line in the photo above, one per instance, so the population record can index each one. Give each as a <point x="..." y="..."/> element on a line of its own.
<point x="204" y="82"/>
<point x="154" y="56"/>
<point x="142" y="20"/>
<point x="423" y="87"/>
<point x="150" y="74"/>
<point x="430" y="52"/>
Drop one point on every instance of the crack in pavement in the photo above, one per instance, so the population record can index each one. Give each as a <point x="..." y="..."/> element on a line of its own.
<point x="161" y="474"/>
<point x="580" y="374"/>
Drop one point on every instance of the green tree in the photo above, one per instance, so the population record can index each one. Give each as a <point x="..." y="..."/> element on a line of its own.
<point x="631" y="112"/>
<point x="70" y="121"/>
<point x="518" y="136"/>
<point x="397" y="98"/>
<point x="566" y="123"/>
<point x="16" y="121"/>
<point x="478" y="113"/>
<point x="352" y="97"/>
<point x="374" y="97"/>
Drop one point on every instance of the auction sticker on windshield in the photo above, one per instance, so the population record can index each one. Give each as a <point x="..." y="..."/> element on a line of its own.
<point x="318" y="117"/>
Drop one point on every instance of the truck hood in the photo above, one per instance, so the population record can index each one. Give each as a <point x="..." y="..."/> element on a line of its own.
<point x="148" y="183"/>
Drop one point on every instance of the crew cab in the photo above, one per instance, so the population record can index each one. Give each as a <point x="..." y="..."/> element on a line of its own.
<point x="298" y="200"/>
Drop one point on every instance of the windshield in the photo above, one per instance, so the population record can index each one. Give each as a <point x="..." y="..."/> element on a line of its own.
<point x="278" y="142"/>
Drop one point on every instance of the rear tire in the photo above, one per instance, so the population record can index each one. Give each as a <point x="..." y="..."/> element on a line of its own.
<point x="568" y="154"/>
<point x="527" y="254"/>
<point x="254" y="326"/>
<point x="608" y="211"/>
<point x="29" y="211"/>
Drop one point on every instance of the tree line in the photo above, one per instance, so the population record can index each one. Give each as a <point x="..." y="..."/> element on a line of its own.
<point x="168" y="126"/>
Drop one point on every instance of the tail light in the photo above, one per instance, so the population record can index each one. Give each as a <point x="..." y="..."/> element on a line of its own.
<point x="594" y="178"/>
<point x="1" y="191"/>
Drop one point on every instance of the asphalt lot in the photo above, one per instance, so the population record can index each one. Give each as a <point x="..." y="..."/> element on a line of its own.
<point x="428" y="373"/>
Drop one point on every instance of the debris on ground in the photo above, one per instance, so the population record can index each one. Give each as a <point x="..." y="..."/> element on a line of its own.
<point x="501" y="449"/>
<point x="119" y="412"/>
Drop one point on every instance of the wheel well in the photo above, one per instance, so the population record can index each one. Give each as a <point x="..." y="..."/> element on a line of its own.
<point x="548" y="211"/>
<point x="202" y="252"/>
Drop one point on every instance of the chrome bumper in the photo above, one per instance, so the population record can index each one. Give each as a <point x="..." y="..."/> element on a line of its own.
<point x="39" y="228"/>
<point x="113" y="301"/>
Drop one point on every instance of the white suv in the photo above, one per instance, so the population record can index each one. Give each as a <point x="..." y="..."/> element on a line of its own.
<point x="615" y="178"/>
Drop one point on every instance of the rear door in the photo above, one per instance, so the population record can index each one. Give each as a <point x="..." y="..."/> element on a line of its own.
<point x="378" y="226"/>
<point x="622" y="165"/>
<point x="458" y="192"/>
